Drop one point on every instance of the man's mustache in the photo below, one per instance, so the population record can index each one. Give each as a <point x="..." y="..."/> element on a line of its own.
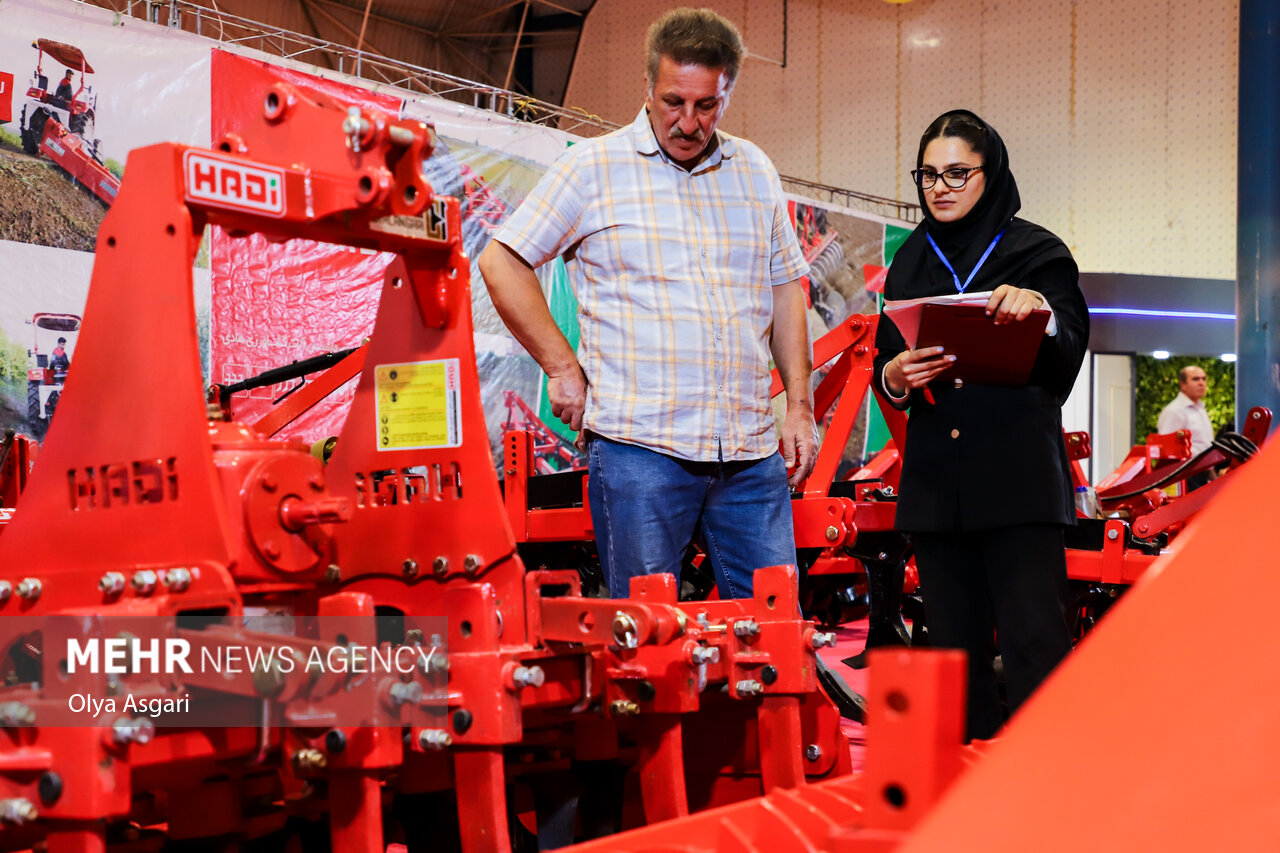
<point x="677" y="133"/>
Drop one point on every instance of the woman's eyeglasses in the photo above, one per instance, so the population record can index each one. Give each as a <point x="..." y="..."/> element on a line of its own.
<point x="954" y="178"/>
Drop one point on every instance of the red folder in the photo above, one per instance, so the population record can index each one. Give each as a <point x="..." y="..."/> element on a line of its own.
<point x="986" y="354"/>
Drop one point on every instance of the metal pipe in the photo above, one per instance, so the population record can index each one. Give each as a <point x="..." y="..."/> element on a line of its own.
<point x="1258" y="210"/>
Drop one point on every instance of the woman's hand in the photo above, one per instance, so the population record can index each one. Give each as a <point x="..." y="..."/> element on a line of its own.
<point x="915" y="368"/>
<point x="1009" y="304"/>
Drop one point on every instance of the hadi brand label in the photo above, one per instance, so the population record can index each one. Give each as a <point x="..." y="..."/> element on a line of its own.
<point x="418" y="404"/>
<point x="234" y="184"/>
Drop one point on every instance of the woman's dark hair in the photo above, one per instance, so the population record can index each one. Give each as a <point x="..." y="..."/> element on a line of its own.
<point x="697" y="37"/>
<point x="958" y="123"/>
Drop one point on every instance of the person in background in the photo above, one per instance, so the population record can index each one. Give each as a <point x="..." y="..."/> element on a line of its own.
<point x="1187" y="411"/>
<point x="985" y="492"/>
<point x="58" y="359"/>
<point x="65" y="91"/>
<point x="686" y="267"/>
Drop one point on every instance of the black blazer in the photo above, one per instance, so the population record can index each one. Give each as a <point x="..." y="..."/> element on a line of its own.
<point x="984" y="457"/>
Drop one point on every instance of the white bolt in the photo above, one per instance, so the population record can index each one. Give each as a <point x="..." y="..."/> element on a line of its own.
<point x="705" y="654"/>
<point x="746" y="628"/>
<point x="139" y="730"/>
<point x="749" y="687"/>
<point x="625" y="631"/>
<point x="6" y="590"/>
<point x="18" y="810"/>
<point x="403" y="692"/>
<point x="112" y="583"/>
<point x="144" y="582"/>
<point x="528" y="676"/>
<point x="16" y="714"/>
<point x="177" y="579"/>
<point x="435" y="739"/>
<point x="30" y="588"/>
<point x="823" y="640"/>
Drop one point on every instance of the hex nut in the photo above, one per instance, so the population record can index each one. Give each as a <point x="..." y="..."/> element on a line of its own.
<point x="112" y="583"/>
<point x="435" y="739"/>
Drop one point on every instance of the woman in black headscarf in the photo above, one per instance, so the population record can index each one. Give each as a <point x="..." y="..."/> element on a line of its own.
<point x="986" y="489"/>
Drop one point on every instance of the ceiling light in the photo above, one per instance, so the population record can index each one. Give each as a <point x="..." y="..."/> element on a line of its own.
<point x="1228" y="356"/>
<point x="1160" y="353"/>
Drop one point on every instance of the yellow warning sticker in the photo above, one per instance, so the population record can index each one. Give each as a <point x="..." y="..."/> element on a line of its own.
<point x="418" y="404"/>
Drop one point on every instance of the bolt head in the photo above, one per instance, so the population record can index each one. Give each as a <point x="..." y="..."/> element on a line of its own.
<point x="410" y="568"/>
<point x="271" y="549"/>
<point x="29" y="588"/>
<point x="472" y="564"/>
<point x="309" y="759"/>
<point x="749" y="687"/>
<point x="435" y="739"/>
<point x="177" y="579"/>
<point x="111" y="583"/>
<point x="1113" y="534"/>
<point x="440" y="565"/>
<point x="333" y="574"/>
<point x="833" y="533"/>
<point x="6" y="590"/>
<point x="812" y="752"/>
<point x="269" y="483"/>
<point x="529" y="676"/>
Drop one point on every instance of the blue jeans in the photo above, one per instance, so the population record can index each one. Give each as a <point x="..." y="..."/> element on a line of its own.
<point x="647" y="506"/>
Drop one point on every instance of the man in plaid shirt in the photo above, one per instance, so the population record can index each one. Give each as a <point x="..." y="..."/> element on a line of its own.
<point x="686" y="267"/>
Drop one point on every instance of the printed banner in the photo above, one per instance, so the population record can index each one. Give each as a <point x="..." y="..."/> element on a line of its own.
<point x="80" y="87"/>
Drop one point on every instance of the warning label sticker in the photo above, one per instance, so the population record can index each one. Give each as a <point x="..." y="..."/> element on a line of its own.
<point x="418" y="404"/>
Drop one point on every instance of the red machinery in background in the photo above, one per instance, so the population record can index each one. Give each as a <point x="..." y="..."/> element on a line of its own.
<point x="147" y="520"/>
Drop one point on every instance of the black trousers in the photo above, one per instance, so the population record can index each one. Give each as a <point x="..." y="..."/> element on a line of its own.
<point x="1004" y="588"/>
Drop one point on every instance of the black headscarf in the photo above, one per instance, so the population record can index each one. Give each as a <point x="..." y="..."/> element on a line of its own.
<point x="916" y="270"/>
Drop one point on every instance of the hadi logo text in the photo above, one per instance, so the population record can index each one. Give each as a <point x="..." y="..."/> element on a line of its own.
<point x="227" y="183"/>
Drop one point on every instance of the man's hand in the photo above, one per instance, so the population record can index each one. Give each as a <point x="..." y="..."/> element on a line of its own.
<point x="1009" y="304"/>
<point x="799" y="443"/>
<point x="567" y="391"/>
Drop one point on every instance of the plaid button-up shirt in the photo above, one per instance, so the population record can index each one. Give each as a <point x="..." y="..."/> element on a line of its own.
<point x="673" y="271"/>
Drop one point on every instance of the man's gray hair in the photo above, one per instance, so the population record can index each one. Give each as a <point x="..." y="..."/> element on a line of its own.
<point x="694" y="37"/>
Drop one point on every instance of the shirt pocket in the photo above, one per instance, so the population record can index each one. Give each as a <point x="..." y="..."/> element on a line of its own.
<point x="744" y="237"/>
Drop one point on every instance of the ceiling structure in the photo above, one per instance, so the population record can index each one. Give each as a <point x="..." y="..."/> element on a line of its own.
<point x="525" y="46"/>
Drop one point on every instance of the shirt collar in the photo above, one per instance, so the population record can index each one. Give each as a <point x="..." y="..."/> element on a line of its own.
<point x="646" y="143"/>
<point x="1187" y="401"/>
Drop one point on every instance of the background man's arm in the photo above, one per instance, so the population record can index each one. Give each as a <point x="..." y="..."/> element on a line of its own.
<point x="790" y="346"/>
<point x="517" y="296"/>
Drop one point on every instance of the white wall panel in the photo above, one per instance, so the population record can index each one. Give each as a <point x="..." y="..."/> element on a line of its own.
<point x="1120" y="115"/>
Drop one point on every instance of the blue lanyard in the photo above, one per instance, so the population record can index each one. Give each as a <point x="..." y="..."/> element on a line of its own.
<point x="982" y="260"/>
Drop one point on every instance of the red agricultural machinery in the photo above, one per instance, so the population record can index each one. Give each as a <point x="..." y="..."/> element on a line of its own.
<point x="60" y="124"/>
<point x="204" y="631"/>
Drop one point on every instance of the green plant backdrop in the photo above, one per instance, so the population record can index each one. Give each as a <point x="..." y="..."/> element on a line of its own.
<point x="1156" y="384"/>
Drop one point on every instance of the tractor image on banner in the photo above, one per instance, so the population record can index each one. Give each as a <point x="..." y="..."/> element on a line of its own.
<point x="48" y="361"/>
<point x="60" y="124"/>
